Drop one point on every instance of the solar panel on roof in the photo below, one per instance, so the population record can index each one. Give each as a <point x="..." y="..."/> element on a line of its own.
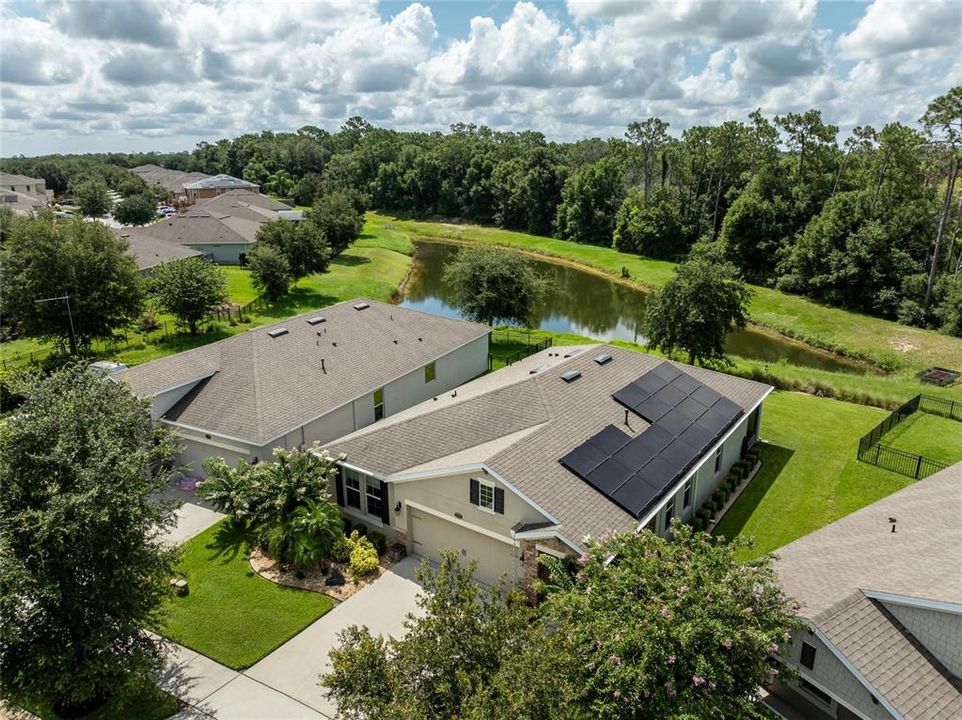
<point x="686" y="418"/>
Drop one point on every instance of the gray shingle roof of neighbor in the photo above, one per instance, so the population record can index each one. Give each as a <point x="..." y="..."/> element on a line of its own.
<point x="519" y="424"/>
<point x="198" y="226"/>
<point x="230" y="198"/>
<point x="219" y="181"/>
<point x="261" y="386"/>
<point x="151" y="251"/>
<point x="13" y="179"/>
<point x="171" y="180"/>
<point x="830" y="570"/>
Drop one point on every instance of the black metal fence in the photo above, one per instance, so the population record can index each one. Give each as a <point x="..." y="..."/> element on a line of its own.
<point x="871" y="450"/>
<point x="528" y="346"/>
<point x="951" y="409"/>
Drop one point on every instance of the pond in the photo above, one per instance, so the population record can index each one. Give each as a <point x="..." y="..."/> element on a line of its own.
<point x="584" y="303"/>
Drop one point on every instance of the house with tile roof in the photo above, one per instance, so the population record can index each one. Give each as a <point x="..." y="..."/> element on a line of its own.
<point x="881" y="590"/>
<point x="310" y="378"/>
<point x="530" y="459"/>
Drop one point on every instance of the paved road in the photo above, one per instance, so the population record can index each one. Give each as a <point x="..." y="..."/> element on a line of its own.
<point x="283" y="686"/>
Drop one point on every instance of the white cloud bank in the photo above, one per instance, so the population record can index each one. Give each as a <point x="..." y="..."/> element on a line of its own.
<point x="100" y="75"/>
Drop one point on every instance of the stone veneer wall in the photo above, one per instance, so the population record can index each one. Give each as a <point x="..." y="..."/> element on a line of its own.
<point x="529" y="560"/>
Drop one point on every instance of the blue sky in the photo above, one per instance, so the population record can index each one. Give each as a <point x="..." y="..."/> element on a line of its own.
<point x="106" y="75"/>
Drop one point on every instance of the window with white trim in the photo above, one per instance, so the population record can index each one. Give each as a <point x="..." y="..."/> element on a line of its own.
<point x="352" y="489"/>
<point x="686" y="502"/>
<point x="485" y="496"/>
<point x="378" y="404"/>
<point x="430" y="372"/>
<point x="669" y="513"/>
<point x="719" y="453"/>
<point x="373" y="492"/>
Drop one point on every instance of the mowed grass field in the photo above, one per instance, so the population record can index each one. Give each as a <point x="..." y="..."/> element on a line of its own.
<point x="232" y="614"/>
<point x="810" y="476"/>
<point x="931" y="436"/>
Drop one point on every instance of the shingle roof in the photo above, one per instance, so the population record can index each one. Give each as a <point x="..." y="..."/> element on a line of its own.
<point x="262" y="387"/>
<point x="219" y="181"/>
<point x="860" y="551"/>
<point x="13" y="179"/>
<point x="198" y="226"/>
<point x="172" y="180"/>
<point x="830" y="570"/>
<point x="151" y="251"/>
<point x="892" y="659"/>
<point x="228" y="199"/>
<point x="545" y="418"/>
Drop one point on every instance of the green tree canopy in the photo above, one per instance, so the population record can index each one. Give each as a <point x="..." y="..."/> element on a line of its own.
<point x="302" y="244"/>
<point x="91" y="196"/>
<point x="189" y="289"/>
<point x="338" y="217"/>
<point x="270" y="271"/>
<point x="82" y="566"/>
<point x="490" y="285"/>
<point x="589" y="201"/>
<point x="652" y="227"/>
<point x="698" y="307"/>
<point x="135" y="210"/>
<point x="45" y="258"/>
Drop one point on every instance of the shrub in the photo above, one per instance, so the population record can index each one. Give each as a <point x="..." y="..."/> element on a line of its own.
<point x="710" y="506"/>
<point x="705" y="514"/>
<point x="364" y="558"/>
<point x="307" y="535"/>
<point x="697" y="522"/>
<point x="378" y="540"/>
<point x="341" y="551"/>
<point x="347" y="525"/>
<point x="360" y="529"/>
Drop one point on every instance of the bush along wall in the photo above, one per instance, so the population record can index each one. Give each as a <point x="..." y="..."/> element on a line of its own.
<point x="708" y="514"/>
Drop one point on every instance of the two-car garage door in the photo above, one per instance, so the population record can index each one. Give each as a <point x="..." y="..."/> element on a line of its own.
<point x="495" y="558"/>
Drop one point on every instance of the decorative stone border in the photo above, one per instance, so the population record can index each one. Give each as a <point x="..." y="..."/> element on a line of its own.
<point x="733" y="497"/>
<point x="314" y="579"/>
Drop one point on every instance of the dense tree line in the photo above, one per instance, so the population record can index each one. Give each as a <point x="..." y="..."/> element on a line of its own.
<point x="870" y="223"/>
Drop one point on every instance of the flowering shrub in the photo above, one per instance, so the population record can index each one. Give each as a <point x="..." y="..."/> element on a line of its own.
<point x="364" y="559"/>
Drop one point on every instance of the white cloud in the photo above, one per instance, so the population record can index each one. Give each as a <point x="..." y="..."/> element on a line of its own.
<point x="166" y="74"/>
<point x="895" y="26"/>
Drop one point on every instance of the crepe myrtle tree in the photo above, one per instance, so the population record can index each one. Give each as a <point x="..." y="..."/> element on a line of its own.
<point x="83" y="566"/>
<point x="644" y="628"/>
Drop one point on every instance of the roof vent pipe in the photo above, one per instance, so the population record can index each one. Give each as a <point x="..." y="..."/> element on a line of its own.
<point x="324" y="370"/>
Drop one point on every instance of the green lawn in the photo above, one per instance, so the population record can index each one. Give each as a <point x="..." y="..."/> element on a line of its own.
<point x="233" y="615"/>
<point x="931" y="436"/>
<point x="135" y="701"/>
<point x="809" y="474"/>
<point x="881" y="341"/>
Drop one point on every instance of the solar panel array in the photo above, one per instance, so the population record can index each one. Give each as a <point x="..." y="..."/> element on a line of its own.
<point x="686" y="417"/>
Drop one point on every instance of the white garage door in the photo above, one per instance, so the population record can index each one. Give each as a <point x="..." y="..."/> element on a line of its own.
<point x="196" y="452"/>
<point x="431" y="534"/>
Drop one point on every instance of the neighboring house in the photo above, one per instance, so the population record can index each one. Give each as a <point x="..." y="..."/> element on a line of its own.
<point x="213" y="186"/>
<point x="314" y="377"/>
<point x="172" y="181"/>
<point x="532" y="458"/>
<point x="21" y="203"/>
<point x="149" y="252"/>
<point x="34" y="187"/>
<point x="229" y="199"/>
<point x="884" y="609"/>
<point x="225" y="238"/>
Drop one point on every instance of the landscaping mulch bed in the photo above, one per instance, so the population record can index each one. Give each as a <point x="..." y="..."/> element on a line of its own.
<point x="313" y="579"/>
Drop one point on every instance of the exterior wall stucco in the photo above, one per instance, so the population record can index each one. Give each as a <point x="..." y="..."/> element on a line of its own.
<point x="222" y="253"/>
<point x="940" y="632"/>
<point x="834" y="678"/>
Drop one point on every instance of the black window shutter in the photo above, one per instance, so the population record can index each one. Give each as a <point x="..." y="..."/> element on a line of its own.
<point x="339" y="486"/>
<point x="475" y="500"/>
<point x="385" y="510"/>
<point x="499" y="500"/>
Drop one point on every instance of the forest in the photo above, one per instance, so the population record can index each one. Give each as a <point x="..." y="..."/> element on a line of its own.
<point x="870" y="222"/>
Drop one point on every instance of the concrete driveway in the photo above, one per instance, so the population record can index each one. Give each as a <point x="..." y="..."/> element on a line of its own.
<point x="382" y="606"/>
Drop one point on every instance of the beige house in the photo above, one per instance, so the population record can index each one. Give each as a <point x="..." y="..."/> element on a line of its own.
<point x="881" y="590"/>
<point x="310" y="378"/>
<point x="34" y="187"/>
<point x="211" y="187"/>
<point x="172" y="181"/>
<point x="532" y="458"/>
<point x="223" y="236"/>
